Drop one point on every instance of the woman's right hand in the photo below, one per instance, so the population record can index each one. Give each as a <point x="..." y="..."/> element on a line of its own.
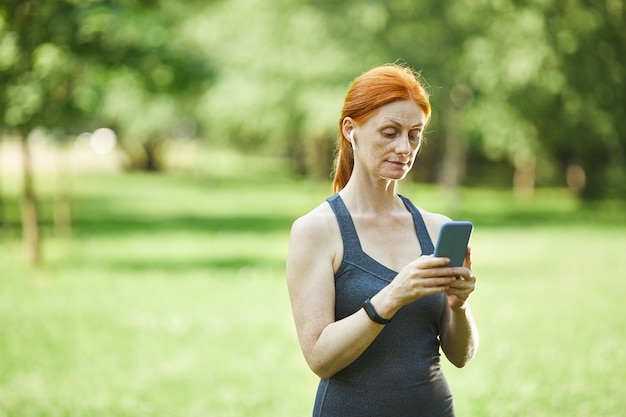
<point x="424" y="276"/>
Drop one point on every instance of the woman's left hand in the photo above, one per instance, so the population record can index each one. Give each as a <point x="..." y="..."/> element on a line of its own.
<point x="460" y="289"/>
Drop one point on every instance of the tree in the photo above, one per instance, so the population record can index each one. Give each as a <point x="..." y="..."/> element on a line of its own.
<point x="75" y="66"/>
<point x="25" y="92"/>
<point x="537" y="84"/>
<point x="510" y="81"/>
<point x="146" y="78"/>
<point x="280" y="80"/>
<point x="578" y="102"/>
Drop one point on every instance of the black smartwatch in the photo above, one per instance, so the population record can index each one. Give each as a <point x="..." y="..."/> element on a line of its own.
<point x="372" y="314"/>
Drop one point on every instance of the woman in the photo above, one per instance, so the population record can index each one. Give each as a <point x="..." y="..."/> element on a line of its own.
<point x="371" y="307"/>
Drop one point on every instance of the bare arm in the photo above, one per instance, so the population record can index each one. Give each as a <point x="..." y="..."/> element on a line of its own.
<point x="328" y="345"/>
<point x="459" y="334"/>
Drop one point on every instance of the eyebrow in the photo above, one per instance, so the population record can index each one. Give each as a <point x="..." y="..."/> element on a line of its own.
<point x="398" y="123"/>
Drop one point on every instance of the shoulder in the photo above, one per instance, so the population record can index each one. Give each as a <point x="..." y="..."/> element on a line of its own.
<point x="433" y="222"/>
<point x="436" y="219"/>
<point x="315" y="243"/>
<point x="316" y="234"/>
<point x="316" y="223"/>
<point x="431" y="219"/>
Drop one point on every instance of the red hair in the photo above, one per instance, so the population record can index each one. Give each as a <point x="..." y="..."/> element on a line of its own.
<point x="368" y="92"/>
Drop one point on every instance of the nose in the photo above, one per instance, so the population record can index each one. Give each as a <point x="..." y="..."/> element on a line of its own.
<point x="404" y="146"/>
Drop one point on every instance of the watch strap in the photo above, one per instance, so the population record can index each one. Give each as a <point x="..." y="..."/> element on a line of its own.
<point x="372" y="314"/>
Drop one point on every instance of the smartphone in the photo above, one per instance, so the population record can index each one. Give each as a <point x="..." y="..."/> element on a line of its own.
<point x="453" y="240"/>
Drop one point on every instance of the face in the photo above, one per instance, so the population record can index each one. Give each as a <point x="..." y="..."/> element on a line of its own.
<point x="388" y="142"/>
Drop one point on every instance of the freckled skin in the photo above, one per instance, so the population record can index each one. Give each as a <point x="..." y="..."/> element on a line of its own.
<point x="388" y="142"/>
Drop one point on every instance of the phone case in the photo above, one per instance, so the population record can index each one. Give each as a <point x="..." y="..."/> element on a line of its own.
<point x="453" y="240"/>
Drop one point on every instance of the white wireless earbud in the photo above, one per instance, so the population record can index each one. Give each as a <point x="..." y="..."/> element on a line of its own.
<point x="352" y="140"/>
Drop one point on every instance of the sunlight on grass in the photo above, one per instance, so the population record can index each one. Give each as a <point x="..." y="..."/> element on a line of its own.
<point x="169" y="299"/>
<point x="551" y="324"/>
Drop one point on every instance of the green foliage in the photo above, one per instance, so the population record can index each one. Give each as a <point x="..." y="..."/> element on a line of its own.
<point x="281" y="81"/>
<point x="80" y="65"/>
<point x="536" y="85"/>
<point x="511" y="79"/>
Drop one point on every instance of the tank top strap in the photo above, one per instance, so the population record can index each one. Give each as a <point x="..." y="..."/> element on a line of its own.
<point x="420" y="227"/>
<point x="351" y="243"/>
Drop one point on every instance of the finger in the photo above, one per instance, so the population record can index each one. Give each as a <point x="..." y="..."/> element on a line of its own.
<point x="445" y="280"/>
<point x="419" y="285"/>
<point x="429" y="261"/>
<point x="432" y="291"/>
<point x="448" y="271"/>
<point x="461" y="297"/>
<point x="459" y="285"/>
<point x="464" y="273"/>
<point x="470" y="276"/>
<point x="435" y="282"/>
<point x="461" y="291"/>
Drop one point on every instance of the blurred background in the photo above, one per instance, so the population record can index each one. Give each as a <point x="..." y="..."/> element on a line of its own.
<point x="153" y="155"/>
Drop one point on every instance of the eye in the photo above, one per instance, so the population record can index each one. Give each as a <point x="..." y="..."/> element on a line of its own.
<point x="415" y="134"/>
<point x="390" y="133"/>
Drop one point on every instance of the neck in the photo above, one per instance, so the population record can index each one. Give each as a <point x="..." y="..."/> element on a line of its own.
<point x="379" y="196"/>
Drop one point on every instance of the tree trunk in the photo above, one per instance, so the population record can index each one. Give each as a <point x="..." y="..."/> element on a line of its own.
<point x="152" y="149"/>
<point x="62" y="201"/>
<point x="453" y="162"/>
<point x="296" y="152"/>
<point x="319" y="158"/>
<point x="2" y="210"/>
<point x="30" y="220"/>
<point x="594" y="164"/>
<point x="524" y="177"/>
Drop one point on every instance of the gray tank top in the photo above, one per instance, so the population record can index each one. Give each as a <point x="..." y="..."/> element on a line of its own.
<point x="399" y="374"/>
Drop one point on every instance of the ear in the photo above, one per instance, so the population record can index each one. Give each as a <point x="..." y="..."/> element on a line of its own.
<point x="347" y="126"/>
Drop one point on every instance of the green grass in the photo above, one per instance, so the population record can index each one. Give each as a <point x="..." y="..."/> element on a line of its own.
<point x="169" y="300"/>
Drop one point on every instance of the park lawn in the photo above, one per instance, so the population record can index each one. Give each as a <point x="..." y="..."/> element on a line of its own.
<point x="169" y="299"/>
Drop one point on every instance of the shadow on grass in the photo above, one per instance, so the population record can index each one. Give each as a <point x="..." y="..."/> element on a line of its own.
<point x="109" y="223"/>
<point x="591" y="215"/>
<point x="99" y="218"/>
<point x="181" y="266"/>
<point x="206" y="224"/>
